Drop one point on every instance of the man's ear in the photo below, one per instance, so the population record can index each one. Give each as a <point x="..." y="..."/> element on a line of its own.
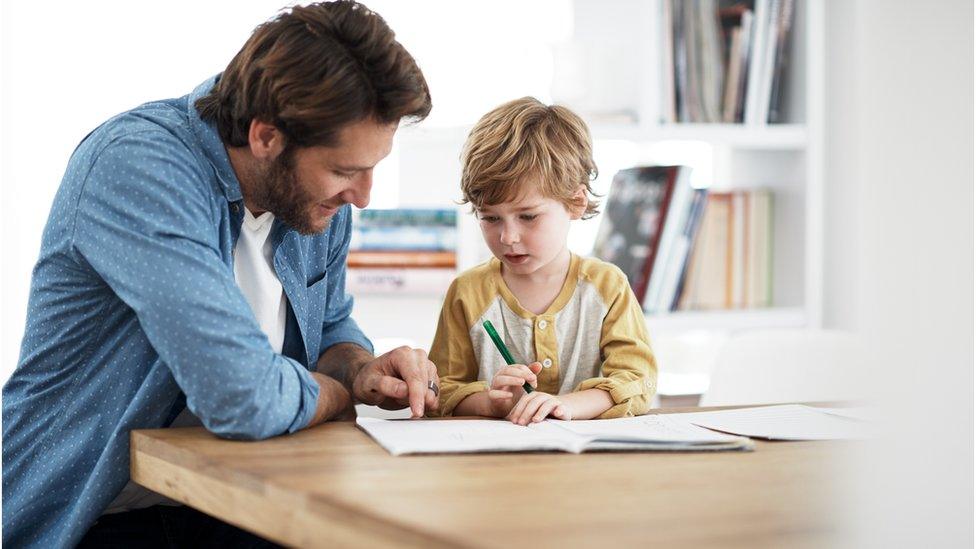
<point x="265" y="140"/>
<point x="578" y="208"/>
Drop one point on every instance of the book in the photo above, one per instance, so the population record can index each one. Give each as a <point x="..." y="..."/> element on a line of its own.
<point x="398" y="280"/>
<point x="643" y="433"/>
<point x="402" y="259"/>
<point x="408" y="237"/>
<point x="730" y="265"/>
<point x="406" y="217"/>
<point x="633" y="219"/>
<point x="758" y="261"/>
<point x="677" y="214"/>
<point x="736" y="17"/>
<point x="705" y="287"/>
<point x="680" y="258"/>
<point x="777" y="103"/>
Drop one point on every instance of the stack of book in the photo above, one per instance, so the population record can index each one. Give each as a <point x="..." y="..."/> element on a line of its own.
<point x="731" y="263"/>
<point x="684" y="248"/>
<point x="726" y="60"/>
<point x="406" y="251"/>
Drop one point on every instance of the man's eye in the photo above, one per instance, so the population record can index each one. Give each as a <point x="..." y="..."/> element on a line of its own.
<point x="345" y="175"/>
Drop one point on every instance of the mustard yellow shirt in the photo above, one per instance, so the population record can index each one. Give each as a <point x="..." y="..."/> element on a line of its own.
<point x="592" y="336"/>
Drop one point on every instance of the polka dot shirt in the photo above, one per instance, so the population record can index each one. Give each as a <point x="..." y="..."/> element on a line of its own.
<point x="134" y="315"/>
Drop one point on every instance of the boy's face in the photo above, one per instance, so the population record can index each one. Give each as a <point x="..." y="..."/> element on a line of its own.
<point x="528" y="233"/>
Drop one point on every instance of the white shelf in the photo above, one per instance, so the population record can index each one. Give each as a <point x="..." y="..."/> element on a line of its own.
<point x="727" y="321"/>
<point x="771" y="137"/>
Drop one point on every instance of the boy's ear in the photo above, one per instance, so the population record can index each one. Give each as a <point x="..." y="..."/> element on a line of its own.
<point x="578" y="208"/>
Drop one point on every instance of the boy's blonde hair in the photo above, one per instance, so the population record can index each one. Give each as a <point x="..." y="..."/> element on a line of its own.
<point x="525" y="141"/>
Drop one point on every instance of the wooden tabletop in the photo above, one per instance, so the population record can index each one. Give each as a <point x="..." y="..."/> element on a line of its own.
<point x="331" y="485"/>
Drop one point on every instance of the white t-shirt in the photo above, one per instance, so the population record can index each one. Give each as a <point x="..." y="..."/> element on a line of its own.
<point x="256" y="277"/>
<point x="255" y="274"/>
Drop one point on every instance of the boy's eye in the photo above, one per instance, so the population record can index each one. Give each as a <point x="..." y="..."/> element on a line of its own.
<point x="529" y="217"/>
<point x="489" y="218"/>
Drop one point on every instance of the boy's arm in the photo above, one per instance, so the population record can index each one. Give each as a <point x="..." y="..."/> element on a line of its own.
<point x="629" y="368"/>
<point x="587" y="404"/>
<point x="453" y="355"/>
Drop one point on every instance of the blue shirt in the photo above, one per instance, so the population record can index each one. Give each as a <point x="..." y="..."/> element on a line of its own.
<point x="134" y="314"/>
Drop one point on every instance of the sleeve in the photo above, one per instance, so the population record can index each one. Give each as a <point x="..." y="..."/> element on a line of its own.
<point x="146" y="225"/>
<point x="453" y="354"/>
<point x="338" y="326"/>
<point x="629" y="371"/>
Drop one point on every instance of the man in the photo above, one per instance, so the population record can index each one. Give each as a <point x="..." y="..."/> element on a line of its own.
<point x="192" y="270"/>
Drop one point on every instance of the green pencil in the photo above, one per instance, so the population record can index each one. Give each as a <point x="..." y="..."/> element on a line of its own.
<point x="503" y="349"/>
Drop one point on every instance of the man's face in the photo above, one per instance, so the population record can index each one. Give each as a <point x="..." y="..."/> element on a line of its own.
<point x="304" y="187"/>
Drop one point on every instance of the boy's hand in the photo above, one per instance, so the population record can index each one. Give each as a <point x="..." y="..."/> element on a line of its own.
<point x="506" y="387"/>
<point x="537" y="406"/>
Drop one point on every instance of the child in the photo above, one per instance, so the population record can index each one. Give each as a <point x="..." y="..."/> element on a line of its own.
<point x="572" y="324"/>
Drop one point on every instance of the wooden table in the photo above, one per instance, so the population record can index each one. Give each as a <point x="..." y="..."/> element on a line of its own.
<point x="333" y="486"/>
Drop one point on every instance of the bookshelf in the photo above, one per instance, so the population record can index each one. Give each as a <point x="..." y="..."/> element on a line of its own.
<point x="619" y="38"/>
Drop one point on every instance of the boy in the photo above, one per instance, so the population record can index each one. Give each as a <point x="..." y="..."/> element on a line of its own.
<point x="572" y="324"/>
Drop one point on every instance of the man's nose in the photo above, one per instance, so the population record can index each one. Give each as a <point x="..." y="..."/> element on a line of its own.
<point x="358" y="193"/>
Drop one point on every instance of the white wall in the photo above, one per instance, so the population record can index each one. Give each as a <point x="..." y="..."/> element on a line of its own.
<point x="899" y="255"/>
<point x="62" y="76"/>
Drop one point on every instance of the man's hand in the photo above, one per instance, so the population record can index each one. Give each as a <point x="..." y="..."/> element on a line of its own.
<point x="396" y="379"/>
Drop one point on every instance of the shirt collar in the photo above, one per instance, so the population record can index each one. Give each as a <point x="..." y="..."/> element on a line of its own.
<point x="213" y="147"/>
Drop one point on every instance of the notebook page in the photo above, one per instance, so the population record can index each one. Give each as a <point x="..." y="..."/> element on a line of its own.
<point x="649" y="428"/>
<point x="786" y="422"/>
<point x="404" y="436"/>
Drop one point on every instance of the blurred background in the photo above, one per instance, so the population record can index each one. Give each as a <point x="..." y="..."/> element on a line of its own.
<point x="830" y="142"/>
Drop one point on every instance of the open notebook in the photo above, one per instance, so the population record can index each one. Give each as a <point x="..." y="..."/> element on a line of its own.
<point x="404" y="436"/>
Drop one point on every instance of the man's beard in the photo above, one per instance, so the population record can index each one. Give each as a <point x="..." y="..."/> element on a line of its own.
<point x="281" y="194"/>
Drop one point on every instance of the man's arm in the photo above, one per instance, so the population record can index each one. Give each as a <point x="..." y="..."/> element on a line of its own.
<point x="393" y="380"/>
<point x="333" y="401"/>
<point x="174" y="279"/>
<point x="342" y="362"/>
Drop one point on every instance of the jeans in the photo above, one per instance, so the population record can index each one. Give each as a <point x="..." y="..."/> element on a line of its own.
<point x="163" y="526"/>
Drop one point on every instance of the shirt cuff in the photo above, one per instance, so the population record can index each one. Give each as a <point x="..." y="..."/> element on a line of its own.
<point x="630" y="397"/>
<point x="451" y="398"/>
<point x="309" y="396"/>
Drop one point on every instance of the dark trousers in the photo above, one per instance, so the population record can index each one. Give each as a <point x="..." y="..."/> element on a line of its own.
<point x="163" y="526"/>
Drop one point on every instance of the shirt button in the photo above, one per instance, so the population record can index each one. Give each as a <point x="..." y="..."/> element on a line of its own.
<point x="235" y="208"/>
<point x="543" y="324"/>
<point x="547" y="363"/>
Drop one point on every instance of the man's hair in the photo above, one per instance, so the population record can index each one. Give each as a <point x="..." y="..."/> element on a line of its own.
<point x="312" y="70"/>
<point x="525" y="142"/>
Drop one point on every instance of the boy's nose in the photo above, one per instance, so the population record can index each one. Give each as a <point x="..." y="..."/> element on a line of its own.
<point x="509" y="236"/>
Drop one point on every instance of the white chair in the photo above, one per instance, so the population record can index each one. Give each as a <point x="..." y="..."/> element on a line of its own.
<point x="778" y="366"/>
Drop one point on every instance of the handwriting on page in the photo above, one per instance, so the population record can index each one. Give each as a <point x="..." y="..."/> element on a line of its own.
<point x="661" y="428"/>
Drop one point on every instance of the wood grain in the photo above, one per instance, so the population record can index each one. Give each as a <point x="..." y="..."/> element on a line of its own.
<point x="333" y="486"/>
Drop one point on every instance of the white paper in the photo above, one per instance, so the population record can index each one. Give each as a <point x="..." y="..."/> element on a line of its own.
<point x="419" y="436"/>
<point x="464" y="436"/>
<point x="863" y="413"/>
<point x="649" y="428"/>
<point x="785" y="422"/>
